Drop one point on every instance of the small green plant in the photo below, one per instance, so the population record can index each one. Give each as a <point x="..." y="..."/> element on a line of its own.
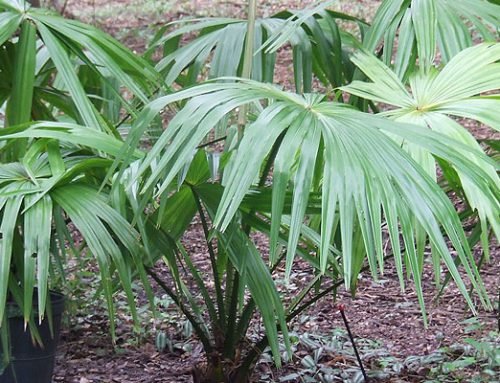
<point x="475" y="360"/>
<point x="326" y="357"/>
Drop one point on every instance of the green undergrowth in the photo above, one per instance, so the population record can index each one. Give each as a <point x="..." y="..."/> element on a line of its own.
<point x="329" y="358"/>
<point x="324" y="357"/>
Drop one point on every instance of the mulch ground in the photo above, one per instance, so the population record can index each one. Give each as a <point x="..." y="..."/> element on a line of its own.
<point x="379" y="313"/>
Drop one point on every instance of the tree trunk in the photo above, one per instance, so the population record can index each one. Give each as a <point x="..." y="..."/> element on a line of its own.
<point x="35" y="3"/>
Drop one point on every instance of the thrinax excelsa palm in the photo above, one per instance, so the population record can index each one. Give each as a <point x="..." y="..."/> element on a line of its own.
<point x="318" y="47"/>
<point x="425" y="27"/>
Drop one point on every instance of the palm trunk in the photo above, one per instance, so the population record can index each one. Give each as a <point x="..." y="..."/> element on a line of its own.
<point x="220" y="368"/>
<point x="220" y="371"/>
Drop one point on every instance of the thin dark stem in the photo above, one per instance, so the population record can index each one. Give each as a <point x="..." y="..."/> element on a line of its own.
<point x="196" y="326"/>
<point x="479" y="265"/>
<point x="63" y="8"/>
<point x="211" y="142"/>
<point x="199" y="281"/>
<point x="263" y="343"/>
<point x="128" y="114"/>
<point x="313" y="300"/>
<point x="231" y="335"/>
<point x="344" y="318"/>
<point x="259" y="347"/>
<point x="252" y="355"/>
<point x="213" y="262"/>
<point x="122" y="121"/>
<point x="373" y="107"/>
<point x="270" y="159"/>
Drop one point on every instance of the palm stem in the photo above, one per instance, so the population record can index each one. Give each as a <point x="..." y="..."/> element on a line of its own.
<point x="196" y="326"/>
<point x="258" y="348"/>
<point x="231" y="335"/>
<point x="213" y="262"/>
<point x="247" y="59"/>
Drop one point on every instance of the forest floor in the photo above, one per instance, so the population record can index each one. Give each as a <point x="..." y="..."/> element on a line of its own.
<point x="394" y="343"/>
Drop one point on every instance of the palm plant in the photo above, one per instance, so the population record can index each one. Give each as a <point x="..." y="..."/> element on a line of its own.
<point x="295" y="134"/>
<point x="52" y="172"/>
<point x="351" y="176"/>
<point x="427" y="27"/>
<point x="68" y="70"/>
<point x="49" y="187"/>
<point x="318" y="47"/>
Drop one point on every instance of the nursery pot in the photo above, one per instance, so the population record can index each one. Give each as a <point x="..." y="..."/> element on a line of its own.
<point x="31" y="363"/>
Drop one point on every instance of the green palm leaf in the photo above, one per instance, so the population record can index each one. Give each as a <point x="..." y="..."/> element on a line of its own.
<point x="313" y="34"/>
<point x="69" y="133"/>
<point x="61" y="59"/>
<point x="432" y="101"/>
<point x="108" y="56"/>
<point x="427" y="25"/>
<point x="91" y="214"/>
<point x="65" y="52"/>
<point x="37" y="234"/>
<point x="9" y="22"/>
<point x="19" y="105"/>
<point x="14" y="5"/>
<point x="10" y="211"/>
<point x="46" y="184"/>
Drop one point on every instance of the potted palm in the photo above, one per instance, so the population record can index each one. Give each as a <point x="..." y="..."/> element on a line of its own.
<point x="38" y="203"/>
<point x="57" y="142"/>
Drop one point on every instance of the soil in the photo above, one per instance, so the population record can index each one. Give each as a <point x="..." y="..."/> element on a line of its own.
<point x="379" y="313"/>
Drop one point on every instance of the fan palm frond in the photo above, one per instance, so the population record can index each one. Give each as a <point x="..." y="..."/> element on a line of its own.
<point x="434" y="100"/>
<point x="425" y="27"/>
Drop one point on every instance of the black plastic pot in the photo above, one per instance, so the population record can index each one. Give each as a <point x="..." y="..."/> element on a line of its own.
<point x="32" y="363"/>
